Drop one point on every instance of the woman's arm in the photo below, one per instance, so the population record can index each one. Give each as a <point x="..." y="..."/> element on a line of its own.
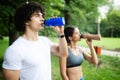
<point x="11" y="74"/>
<point x="63" y="69"/>
<point x="93" y="57"/>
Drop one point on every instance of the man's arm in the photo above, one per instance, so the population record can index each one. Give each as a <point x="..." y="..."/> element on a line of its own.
<point x="11" y="74"/>
<point x="61" y="48"/>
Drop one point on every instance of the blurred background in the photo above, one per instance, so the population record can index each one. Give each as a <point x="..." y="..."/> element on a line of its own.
<point x="90" y="16"/>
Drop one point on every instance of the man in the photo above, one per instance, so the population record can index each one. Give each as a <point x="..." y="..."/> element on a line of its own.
<point x="28" y="58"/>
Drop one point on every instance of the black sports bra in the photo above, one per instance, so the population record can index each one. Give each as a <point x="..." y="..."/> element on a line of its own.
<point x="74" y="60"/>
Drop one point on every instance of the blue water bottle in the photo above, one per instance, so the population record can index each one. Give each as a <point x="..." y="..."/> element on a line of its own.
<point x="57" y="21"/>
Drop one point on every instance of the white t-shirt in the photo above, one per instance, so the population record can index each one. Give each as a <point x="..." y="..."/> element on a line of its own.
<point x="32" y="58"/>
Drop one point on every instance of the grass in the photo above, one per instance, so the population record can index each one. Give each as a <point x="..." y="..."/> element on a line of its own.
<point x="3" y="46"/>
<point x="55" y="68"/>
<point x="109" y="70"/>
<point x="105" y="43"/>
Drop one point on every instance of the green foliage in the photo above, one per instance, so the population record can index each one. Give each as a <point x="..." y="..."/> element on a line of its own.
<point x="114" y="19"/>
<point x="81" y="13"/>
<point x="111" y="25"/>
<point x="6" y="12"/>
<point x="53" y="7"/>
<point x="84" y="14"/>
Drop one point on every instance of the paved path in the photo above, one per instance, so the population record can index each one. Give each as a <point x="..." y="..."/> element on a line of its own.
<point x="110" y="53"/>
<point x="106" y="52"/>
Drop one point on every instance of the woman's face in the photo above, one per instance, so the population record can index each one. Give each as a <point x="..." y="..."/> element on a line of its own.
<point x="76" y="35"/>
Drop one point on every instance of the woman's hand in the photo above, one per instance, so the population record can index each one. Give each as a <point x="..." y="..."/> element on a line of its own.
<point x="89" y="42"/>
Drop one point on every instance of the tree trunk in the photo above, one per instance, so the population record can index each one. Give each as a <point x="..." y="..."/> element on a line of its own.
<point x="98" y="29"/>
<point x="67" y="17"/>
<point x="12" y="37"/>
<point x="66" y="12"/>
<point x="112" y="31"/>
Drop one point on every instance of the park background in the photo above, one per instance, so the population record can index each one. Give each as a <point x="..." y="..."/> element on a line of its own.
<point x="90" y="16"/>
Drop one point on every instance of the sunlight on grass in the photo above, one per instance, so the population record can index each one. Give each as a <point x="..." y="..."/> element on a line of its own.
<point x="3" y="46"/>
<point x="105" y="43"/>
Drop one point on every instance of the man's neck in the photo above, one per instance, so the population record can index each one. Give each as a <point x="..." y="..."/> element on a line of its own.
<point x="29" y="35"/>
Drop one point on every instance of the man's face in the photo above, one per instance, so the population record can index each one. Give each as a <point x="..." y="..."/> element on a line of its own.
<point x="36" y="22"/>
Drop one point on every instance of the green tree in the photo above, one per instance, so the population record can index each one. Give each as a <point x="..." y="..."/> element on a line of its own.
<point x="84" y="13"/>
<point x="76" y="12"/>
<point x="7" y="10"/>
<point x="114" y="23"/>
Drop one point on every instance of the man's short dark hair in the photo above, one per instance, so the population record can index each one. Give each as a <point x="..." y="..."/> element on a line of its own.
<point x="24" y="12"/>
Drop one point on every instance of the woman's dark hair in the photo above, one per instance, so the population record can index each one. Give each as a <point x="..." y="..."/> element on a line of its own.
<point x="24" y="12"/>
<point x="69" y="30"/>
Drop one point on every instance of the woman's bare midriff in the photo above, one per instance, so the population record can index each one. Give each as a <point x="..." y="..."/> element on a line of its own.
<point x="74" y="73"/>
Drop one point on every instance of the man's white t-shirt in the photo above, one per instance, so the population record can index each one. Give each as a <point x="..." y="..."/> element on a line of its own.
<point x="32" y="58"/>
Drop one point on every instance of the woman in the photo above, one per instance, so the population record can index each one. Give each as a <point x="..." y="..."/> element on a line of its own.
<point x="71" y="65"/>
